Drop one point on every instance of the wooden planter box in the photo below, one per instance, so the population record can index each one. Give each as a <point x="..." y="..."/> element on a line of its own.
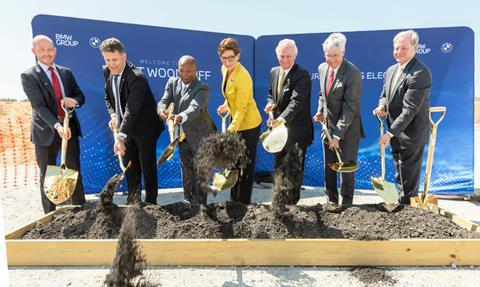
<point x="270" y="252"/>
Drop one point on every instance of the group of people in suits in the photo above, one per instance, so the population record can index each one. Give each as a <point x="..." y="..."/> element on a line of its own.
<point x="136" y="119"/>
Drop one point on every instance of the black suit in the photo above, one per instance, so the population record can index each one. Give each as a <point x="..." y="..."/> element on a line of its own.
<point x="292" y="103"/>
<point x="341" y="108"/>
<point x="407" y="105"/>
<point x="39" y="90"/>
<point x="141" y="124"/>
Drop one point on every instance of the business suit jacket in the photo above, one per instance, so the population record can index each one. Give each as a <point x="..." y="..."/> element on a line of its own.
<point x="194" y="104"/>
<point x="140" y="119"/>
<point x="239" y="95"/>
<point x="293" y="104"/>
<point x="407" y="104"/>
<point x="39" y="91"/>
<point x="341" y="107"/>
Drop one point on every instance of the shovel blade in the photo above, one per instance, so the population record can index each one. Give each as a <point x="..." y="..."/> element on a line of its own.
<point x="347" y="166"/>
<point x="167" y="154"/>
<point x="59" y="184"/>
<point x="275" y="138"/>
<point x="386" y="190"/>
<point x="225" y="180"/>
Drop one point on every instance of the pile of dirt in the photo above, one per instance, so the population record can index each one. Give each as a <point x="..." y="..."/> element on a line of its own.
<point x="373" y="276"/>
<point x="236" y="220"/>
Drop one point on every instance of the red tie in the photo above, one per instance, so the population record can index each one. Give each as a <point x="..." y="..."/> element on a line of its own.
<point x="330" y="82"/>
<point x="58" y="93"/>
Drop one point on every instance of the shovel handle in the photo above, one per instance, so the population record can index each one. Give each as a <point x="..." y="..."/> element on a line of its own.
<point x="329" y="137"/>
<point x="66" y="123"/>
<point x="432" y="110"/>
<point x="382" y="147"/>
<point x="431" y="149"/>
<point x="224" y="120"/>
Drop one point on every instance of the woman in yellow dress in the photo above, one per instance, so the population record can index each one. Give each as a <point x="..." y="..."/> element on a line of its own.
<point x="237" y="88"/>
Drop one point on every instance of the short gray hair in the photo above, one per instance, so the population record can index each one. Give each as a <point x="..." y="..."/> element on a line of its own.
<point x="187" y="60"/>
<point x="414" y="39"/>
<point x="39" y="38"/>
<point x="286" y="43"/>
<point x="335" y="40"/>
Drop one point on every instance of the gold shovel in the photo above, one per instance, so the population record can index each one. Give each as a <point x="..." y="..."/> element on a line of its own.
<point x="424" y="201"/>
<point x="274" y="139"/>
<point x="60" y="182"/>
<point x="340" y="166"/>
<point x="228" y="177"/>
<point x="386" y="190"/>
<point x="167" y="154"/>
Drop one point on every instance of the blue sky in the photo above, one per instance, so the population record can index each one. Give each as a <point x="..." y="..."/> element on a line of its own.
<point x="243" y="17"/>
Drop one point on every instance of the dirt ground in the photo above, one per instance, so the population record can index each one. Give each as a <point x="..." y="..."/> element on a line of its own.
<point x="236" y="220"/>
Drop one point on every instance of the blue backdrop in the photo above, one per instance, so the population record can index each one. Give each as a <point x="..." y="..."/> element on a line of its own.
<point x="447" y="51"/>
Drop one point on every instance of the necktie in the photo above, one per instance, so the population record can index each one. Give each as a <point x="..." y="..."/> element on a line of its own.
<point x="330" y="82"/>
<point x="58" y="93"/>
<point x="184" y="89"/>
<point x="281" y="78"/>
<point x="118" y="108"/>
<point x="397" y="76"/>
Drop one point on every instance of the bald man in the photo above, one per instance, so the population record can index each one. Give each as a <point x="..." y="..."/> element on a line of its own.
<point x="48" y="86"/>
<point x="190" y="115"/>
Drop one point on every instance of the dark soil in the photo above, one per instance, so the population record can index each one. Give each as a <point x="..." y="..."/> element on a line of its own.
<point x="221" y="151"/>
<point x="373" y="276"/>
<point x="236" y="220"/>
<point x="129" y="262"/>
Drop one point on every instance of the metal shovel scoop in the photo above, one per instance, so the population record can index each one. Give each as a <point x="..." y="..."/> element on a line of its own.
<point x="425" y="201"/>
<point x="228" y="177"/>
<point x="386" y="190"/>
<point x="340" y="166"/>
<point x="274" y="139"/>
<point x="167" y="153"/>
<point x="60" y="182"/>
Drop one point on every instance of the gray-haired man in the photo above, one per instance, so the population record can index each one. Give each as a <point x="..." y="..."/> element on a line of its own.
<point x="339" y="106"/>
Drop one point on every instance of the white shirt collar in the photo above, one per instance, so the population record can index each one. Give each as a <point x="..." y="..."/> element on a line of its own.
<point x="45" y="67"/>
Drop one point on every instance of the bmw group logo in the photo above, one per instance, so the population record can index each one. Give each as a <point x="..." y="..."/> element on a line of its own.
<point x="446" y="47"/>
<point x="94" y="42"/>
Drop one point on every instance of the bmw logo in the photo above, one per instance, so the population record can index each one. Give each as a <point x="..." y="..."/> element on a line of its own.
<point x="446" y="47"/>
<point x="94" y="42"/>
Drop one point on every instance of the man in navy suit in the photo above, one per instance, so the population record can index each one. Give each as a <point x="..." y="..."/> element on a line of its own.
<point x="133" y="113"/>
<point x="405" y="102"/>
<point x="48" y="86"/>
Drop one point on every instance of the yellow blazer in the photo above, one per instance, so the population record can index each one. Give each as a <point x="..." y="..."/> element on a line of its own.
<point x="239" y="97"/>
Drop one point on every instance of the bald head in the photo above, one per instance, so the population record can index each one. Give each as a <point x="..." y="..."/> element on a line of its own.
<point x="42" y="47"/>
<point x="187" y="60"/>
<point x="187" y="69"/>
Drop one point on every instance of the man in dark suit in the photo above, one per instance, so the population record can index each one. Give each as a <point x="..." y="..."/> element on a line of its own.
<point x="339" y="107"/>
<point x="405" y="102"/>
<point x="133" y="112"/>
<point x="289" y="98"/>
<point x="190" y="115"/>
<point x="47" y="87"/>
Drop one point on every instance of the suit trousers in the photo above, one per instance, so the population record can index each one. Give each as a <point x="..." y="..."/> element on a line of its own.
<point x="47" y="155"/>
<point x="347" y="188"/>
<point x="242" y="190"/>
<point x="191" y="187"/>
<point x="293" y="194"/>
<point x="142" y="156"/>
<point x="408" y="166"/>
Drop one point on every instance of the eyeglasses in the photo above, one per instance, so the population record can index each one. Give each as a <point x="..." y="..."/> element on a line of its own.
<point x="228" y="58"/>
